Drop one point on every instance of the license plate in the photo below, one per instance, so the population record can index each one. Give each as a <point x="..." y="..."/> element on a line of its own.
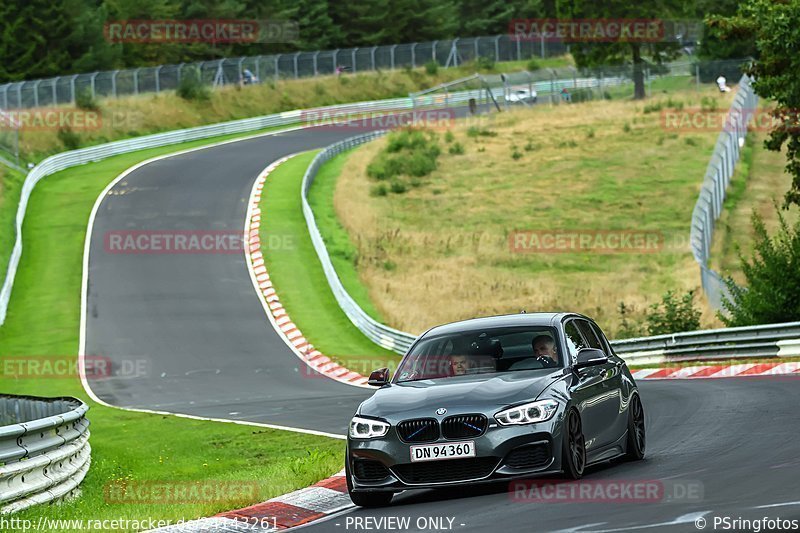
<point x="435" y="452"/>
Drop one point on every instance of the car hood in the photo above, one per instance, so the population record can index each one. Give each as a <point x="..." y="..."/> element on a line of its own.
<point x="458" y="394"/>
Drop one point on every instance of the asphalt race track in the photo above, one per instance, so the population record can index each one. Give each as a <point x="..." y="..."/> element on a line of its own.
<point x="193" y="323"/>
<point x="732" y="442"/>
<point x="197" y="326"/>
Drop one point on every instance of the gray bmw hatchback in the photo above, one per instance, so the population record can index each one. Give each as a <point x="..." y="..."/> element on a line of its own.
<point x="494" y="398"/>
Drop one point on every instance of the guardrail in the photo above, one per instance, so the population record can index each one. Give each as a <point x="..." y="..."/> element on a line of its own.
<point x="707" y="344"/>
<point x="715" y="184"/>
<point x="44" y="450"/>
<point x="324" y="115"/>
<point x="378" y="333"/>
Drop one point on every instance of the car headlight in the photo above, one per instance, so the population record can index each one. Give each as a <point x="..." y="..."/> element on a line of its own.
<point x="528" y="413"/>
<point x="365" y="428"/>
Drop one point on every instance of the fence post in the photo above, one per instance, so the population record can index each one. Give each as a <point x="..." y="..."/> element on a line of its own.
<point x="372" y="55"/>
<point x="353" y="58"/>
<point x="697" y="76"/>
<point x="36" y="93"/>
<point x="391" y="54"/>
<point x="5" y="96"/>
<point x="314" y="61"/>
<point x="519" y="52"/>
<point x="477" y="49"/>
<point x="71" y="88"/>
<point x="55" y="92"/>
<point x="296" y="70"/>
<point x="136" y="81"/>
<point x="239" y="68"/>
<point x="497" y="48"/>
<point x="414" y="55"/>
<point x="277" y="70"/>
<point x="158" y="78"/>
<point x="433" y="51"/>
<point x="94" y="76"/>
<point x="114" y="83"/>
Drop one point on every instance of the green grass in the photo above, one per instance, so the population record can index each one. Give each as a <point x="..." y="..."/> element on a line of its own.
<point x="43" y="319"/>
<point x="343" y="252"/>
<point x="133" y="116"/>
<point x="297" y="275"/>
<point x="10" y="190"/>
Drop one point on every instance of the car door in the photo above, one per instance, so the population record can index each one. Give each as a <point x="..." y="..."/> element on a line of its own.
<point x="587" y="389"/>
<point x="607" y="404"/>
<point x="617" y="381"/>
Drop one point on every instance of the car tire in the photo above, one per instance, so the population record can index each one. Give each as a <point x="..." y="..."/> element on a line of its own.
<point x="365" y="499"/>
<point x="637" y="441"/>
<point x="573" y="454"/>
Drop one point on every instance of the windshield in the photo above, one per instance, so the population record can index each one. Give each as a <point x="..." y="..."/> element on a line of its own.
<point x="481" y="351"/>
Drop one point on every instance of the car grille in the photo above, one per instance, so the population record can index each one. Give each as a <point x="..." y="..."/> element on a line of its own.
<point x="462" y="426"/>
<point x="446" y="471"/>
<point x="418" y="430"/>
<point x="369" y="470"/>
<point x="529" y="456"/>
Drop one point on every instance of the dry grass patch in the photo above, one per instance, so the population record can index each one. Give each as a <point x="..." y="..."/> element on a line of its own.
<point x="440" y="252"/>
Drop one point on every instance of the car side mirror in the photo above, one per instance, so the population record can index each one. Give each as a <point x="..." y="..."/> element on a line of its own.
<point x="590" y="357"/>
<point x="379" y="378"/>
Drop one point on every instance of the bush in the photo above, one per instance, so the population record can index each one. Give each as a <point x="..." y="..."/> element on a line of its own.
<point x="626" y="128"/>
<point x="432" y="68"/>
<point x="409" y="152"/>
<point x="532" y="65"/>
<point x="456" y="149"/>
<point x="627" y="327"/>
<point x="772" y="276"/>
<point x="84" y="100"/>
<point x="515" y="153"/>
<point x="448" y="136"/>
<point x="673" y="315"/>
<point x="475" y="131"/>
<point x="191" y="86"/>
<point x="485" y="63"/>
<point x="398" y="187"/>
<point x="379" y="190"/>
<point x="68" y="138"/>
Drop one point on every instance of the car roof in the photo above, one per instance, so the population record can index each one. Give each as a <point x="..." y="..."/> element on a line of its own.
<point x="499" y="321"/>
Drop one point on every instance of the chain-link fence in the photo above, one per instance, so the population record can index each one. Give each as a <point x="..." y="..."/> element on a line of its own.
<point x="718" y="176"/>
<point x="452" y="52"/>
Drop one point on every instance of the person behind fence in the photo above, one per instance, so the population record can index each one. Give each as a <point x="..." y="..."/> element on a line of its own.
<point x="248" y="77"/>
<point x="722" y="83"/>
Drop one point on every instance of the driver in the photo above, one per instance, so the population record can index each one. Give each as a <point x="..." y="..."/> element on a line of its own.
<point x="545" y="355"/>
<point x="544" y="348"/>
<point x="459" y="364"/>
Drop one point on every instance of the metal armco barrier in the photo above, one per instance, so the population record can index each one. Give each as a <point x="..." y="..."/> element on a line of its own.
<point x="715" y="184"/>
<point x="378" y="333"/>
<point x="309" y="117"/>
<point x="44" y="450"/>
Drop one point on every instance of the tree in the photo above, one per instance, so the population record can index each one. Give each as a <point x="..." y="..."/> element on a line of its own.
<point x="775" y="27"/>
<point x="772" y="291"/>
<point x="588" y="54"/>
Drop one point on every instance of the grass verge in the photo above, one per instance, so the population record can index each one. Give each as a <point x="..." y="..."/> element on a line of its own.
<point x="132" y="116"/>
<point x="440" y="248"/>
<point x="297" y="274"/>
<point x="43" y="320"/>
<point x="10" y="191"/>
<point x="759" y="182"/>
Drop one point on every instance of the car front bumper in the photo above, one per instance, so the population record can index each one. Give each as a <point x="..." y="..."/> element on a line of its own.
<point x="502" y="452"/>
